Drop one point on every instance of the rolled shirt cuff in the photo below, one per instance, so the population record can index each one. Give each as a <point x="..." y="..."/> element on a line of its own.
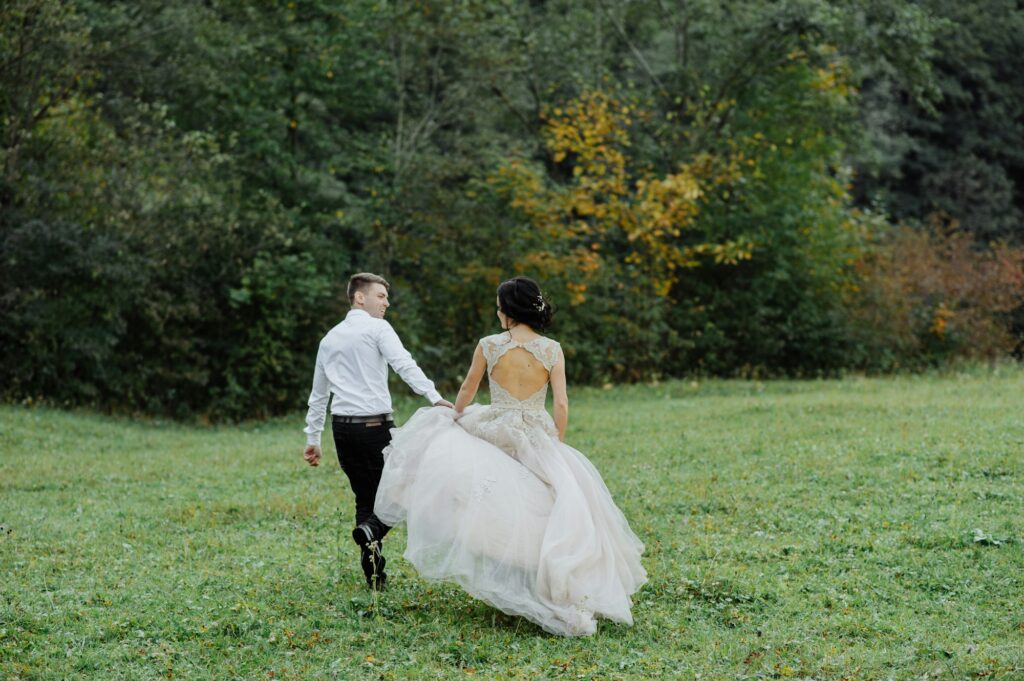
<point x="433" y="396"/>
<point x="313" y="439"/>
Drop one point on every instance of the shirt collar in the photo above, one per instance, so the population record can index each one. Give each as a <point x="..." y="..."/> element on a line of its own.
<point x="357" y="313"/>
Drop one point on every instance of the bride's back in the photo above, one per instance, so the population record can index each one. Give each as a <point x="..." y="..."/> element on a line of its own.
<point x="519" y="373"/>
<point x="520" y="368"/>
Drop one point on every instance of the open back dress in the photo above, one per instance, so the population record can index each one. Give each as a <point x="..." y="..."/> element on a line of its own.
<point x="495" y="503"/>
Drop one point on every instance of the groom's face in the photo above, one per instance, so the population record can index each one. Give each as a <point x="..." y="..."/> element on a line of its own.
<point x="374" y="300"/>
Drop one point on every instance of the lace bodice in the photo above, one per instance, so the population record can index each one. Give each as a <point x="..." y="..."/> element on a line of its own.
<point x="546" y="351"/>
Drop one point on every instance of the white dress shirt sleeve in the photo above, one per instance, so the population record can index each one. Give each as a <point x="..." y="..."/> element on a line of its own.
<point x="318" y="398"/>
<point x="404" y="365"/>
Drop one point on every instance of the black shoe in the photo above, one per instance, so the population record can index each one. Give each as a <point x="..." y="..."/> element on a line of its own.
<point x="363" y="535"/>
<point x="373" y="563"/>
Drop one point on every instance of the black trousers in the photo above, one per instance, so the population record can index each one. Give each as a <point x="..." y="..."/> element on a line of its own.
<point x="360" y="454"/>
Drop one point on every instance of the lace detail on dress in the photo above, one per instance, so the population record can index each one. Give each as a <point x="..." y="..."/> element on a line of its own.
<point x="494" y="348"/>
<point x="502" y="398"/>
<point x="544" y="349"/>
<point x="484" y="488"/>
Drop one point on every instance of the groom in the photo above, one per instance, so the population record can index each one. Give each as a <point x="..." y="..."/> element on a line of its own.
<point x="352" y="366"/>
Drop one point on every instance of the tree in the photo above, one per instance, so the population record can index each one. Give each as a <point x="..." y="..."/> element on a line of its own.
<point x="961" y="156"/>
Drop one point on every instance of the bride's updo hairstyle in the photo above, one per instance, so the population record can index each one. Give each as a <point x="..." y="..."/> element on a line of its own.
<point x="521" y="300"/>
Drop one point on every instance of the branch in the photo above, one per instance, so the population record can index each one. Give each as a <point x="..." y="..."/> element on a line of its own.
<point x="43" y="109"/>
<point x="511" y="107"/>
<point x="636" y="52"/>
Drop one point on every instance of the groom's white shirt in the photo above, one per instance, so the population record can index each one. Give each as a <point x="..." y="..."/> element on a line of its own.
<point x="352" y="364"/>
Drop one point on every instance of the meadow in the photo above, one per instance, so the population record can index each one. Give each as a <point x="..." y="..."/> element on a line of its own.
<point x="864" y="528"/>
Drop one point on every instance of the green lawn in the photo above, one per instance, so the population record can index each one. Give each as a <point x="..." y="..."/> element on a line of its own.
<point x="857" y="528"/>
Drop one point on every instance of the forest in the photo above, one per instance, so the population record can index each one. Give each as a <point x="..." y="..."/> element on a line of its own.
<point x="752" y="188"/>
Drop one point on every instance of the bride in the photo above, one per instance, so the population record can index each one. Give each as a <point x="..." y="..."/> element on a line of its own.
<point x="497" y="503"/>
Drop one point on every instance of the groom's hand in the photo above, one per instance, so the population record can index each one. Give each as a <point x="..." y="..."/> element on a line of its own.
<point x="444" y="403"/>
<point x="312" y="455"/>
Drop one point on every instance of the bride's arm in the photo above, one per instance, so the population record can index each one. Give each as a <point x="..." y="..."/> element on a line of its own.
<point x="469" y="386"/>
<point x="560" y="396"/>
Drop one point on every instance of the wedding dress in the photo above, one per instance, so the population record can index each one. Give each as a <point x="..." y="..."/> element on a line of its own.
<point x="494" y="502"/>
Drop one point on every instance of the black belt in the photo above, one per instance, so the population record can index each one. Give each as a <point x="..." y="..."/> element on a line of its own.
<point x="379" y="418"/>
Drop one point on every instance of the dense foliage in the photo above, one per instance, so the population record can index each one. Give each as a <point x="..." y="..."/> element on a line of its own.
<point x="701" y="187"/>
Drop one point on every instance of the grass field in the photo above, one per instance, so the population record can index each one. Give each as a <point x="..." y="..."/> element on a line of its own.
<point x="861" y="529"/>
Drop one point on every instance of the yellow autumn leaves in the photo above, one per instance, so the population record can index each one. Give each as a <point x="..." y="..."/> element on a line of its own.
<point x="603" y="200"/>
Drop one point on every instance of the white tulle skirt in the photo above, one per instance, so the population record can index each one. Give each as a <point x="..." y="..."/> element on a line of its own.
<point x="496" y="504"/>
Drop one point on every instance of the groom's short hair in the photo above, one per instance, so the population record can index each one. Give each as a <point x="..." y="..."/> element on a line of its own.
<point x="361" y="281"/>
